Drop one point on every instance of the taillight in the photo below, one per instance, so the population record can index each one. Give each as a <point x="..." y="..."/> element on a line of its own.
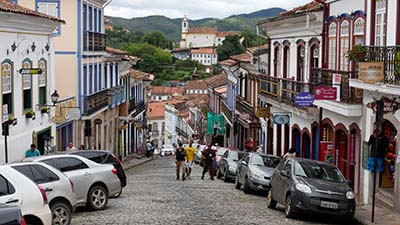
<point x="43" y="195"/>
<point x="72" y="185"/>
<point x="23" y="220"/>
<point x="117" y="159"/>
<point x="114" y="171"/>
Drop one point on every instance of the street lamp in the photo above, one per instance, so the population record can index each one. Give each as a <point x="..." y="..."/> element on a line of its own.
<point x="54" y="97"/>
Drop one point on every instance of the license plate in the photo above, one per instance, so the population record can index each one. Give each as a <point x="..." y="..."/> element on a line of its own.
<point x="329" y="205"/>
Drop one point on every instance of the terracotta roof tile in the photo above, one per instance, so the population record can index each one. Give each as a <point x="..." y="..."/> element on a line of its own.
<point x="136" y="74"/>
<point x="227" y="33"/>
<point x="216" y="81"/>
<point x="116" y="51"/>
<point x="202" y="30"/>
<point x="228" y="62"/>
<point x="203" y="51"/>
<point x="163" y="90"/>
<point x="311" y="6"/>
<point x="155" y="110"/>
<point x="7" y="6"/>
<point x="196" y="85"/>
<point x="244" y="57"/>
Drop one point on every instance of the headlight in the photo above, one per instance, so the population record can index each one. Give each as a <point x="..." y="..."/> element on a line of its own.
<point x="256" y="175"/>
<point x="303" y="188"/>
<point x="232" y="168"/>
<point x="350" y="195"/>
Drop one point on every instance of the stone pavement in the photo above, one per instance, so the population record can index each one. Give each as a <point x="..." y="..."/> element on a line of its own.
<point x="383" y="216"/>
<point x="131" y="162"/>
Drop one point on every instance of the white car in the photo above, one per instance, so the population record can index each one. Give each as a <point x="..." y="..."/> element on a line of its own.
<point x="199" y="152"/>
<point x="167" y="149"/>
<point x="94" y="183"/>
<point x="58" y="187"/>
<point x="18" y="190"/>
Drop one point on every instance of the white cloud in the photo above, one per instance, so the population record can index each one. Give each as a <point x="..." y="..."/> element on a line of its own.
<point x="195" y="9"/>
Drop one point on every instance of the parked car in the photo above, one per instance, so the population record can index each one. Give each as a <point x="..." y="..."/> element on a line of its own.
<point x="254" y="171"/>
<point x="58" y="187"/>
<point x="219" y="153"/>
<point x="18" y="190"/>
<point x="309" y="185"/>
<point x="11" y="215"/>
<point x="167" y="149"/>
<point x="104" y="157"/>
<point x="198" y="157"/>
<point x="93" y="183"/>
<point x="228" y="164"/>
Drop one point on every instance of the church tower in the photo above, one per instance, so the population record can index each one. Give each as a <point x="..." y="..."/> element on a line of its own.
<point x="185" y="26"/>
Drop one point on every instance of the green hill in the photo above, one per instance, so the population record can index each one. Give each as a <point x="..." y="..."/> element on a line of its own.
<point x="172" y="27"/>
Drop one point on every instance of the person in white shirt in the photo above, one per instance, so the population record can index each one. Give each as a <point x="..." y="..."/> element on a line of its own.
<point x="70" y="147"/>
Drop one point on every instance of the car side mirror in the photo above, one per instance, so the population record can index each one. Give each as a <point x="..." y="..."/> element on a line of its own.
<point x="284" y="173"/>
<point x="349" y="182"/>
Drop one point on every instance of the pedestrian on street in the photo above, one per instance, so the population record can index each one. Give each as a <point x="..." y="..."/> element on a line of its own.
<point x="149" y="147"/>
<point x="180" y="156"/>
<point x="291" y="154"/>
<point x="208" y="156"/>
<point x="190" y="153"/>
<point x="379" y="146"/>
<point x="248" y="145"/>
<point x="32" y="152"/>
<point x="82" y="147"/>
<point x="70" y="147"/>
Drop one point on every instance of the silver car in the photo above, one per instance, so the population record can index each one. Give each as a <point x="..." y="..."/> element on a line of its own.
<point x="254" y="171"/>
<point x="94" y="183"/>
<point x="58" y="187"/>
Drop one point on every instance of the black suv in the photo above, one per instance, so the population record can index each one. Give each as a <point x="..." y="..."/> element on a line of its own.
<point x="104" y="157"/>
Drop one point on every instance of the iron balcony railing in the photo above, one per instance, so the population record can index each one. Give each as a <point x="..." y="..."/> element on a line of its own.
<point x="132" y="104"/>
<point x="93" y="103"/>
<point x="326" y="78"/>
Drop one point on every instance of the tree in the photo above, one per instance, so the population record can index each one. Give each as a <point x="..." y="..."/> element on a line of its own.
<point x="230" y="46"/>
<point x="148" y="64"/>
<point x="251" y="39"/>
<point x="156" y="38"/>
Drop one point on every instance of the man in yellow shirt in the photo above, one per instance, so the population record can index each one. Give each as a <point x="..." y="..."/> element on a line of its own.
<point x="190" y="154"/>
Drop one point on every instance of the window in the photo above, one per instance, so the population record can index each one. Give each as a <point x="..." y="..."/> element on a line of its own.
<point x="95" y="78"/>
<point x="50" y="8"/>
<point x="85" y="41"/>
<point x="7" y="84"/>
<point x="359" y="28"/>
<point x="90" y="18"/>
<point x="40" y="178"/>
<point x="300" y="62"/>
<point x="25" y="170"/>
<point x="27" y="86"/>
<point x="69" y="164"/>
<point x="49" y="174"/>
<point x="90" y="79"/>
<point x="332" y="46"/>
<point x="6" y="187"/>
<point x="99" y="23"/>
<point x="105" y="76"/>
<point x="155" y="127"/>
<point x="95" y="20"/>
<point x="97" y="157"/>
<point x="344" y="45"/>
<point x="42" y="82"/>
<point x="380" y="23"/>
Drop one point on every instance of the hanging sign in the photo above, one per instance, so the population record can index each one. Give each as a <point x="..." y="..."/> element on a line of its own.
<point x="263" y="112"/>
<point x="30" y="71"/>
<point x="389" y="105"/>
<point x="304" y="99"/>
<point x="281" y="119"/>
<point x="371" y="72"/>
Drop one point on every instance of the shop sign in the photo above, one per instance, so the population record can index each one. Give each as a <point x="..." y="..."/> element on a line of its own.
<point x="263" y="112"/>
<point x="326" y="150"/>
<point x="337" y="83"/>
<point x="281" y="119"/>
<point x="30" y="71"/>
<point x="304" y="99"/>
<point x="389" y="105"/>
<point x="371" y="72"/>
<point x="325" y="93"/>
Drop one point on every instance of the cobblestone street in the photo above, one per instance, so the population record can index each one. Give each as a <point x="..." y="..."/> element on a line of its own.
<point x="154" y="196"/>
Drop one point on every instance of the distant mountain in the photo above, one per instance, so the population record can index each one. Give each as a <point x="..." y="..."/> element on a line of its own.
<point x="172" y="27"/>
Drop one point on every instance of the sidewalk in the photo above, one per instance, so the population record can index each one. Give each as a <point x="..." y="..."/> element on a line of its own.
<point x="383" y="216"/>
<point x="131" y="162"/>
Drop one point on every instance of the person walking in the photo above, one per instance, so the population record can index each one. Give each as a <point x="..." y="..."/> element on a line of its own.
<point x="180" y="156"/>
<point x="70" y="147"/>
<point x="379" y="146"/>
<point x="291" y="154"/>
<point x="149" y="147"/>
<point x="32" y="152"/>
<point x="190" y="153"/>
<point x="208" y="156"/>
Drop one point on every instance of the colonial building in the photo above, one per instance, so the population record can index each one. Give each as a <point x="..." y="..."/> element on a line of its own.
<point x="216" y="91"/>
<point x="163" y="93"/>
<point x="156" y="122"/>
<point x="206" y="56"/>
<point x="26" y="40"/>
<point x="195" y="87"/>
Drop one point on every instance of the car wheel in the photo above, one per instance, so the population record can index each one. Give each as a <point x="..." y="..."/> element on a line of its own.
<point x="226" y="179"/>
<point x="289" y="210"/>
<point x="219" y="175"/>
<point x="97" y="198"/>
<point x="61" y="214"/>
<point x="237" y="183"/>
<point x="246" y="187"/>
<point x="271" y="203"/>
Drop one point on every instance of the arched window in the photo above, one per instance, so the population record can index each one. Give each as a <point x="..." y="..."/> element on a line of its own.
<point x="277" y="59"/>
<point x="155" y="126"/>
<point x="27" y="85"/>
<point x="380" y="22"/>
<point x="7" y="84"/>
<point x="359" y="32"/>
<point x="301" y="53"/>
<point x="42" y="82"/>
<point x="344" y="45"/>
<point x="332" y="46"/>
<point x="286" y="59"/>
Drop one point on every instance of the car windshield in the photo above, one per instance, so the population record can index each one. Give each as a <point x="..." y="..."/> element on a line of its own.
<point x="234" y="155"/>
<point x="267" y="161"/>
<point x="167" y="146"/>
<point x="221" y="152"/>
<point x="318" y="171"/>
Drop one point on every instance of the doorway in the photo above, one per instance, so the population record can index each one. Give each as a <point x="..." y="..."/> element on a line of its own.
<point x="43" y="137"/>
<point x="306" y="145"/>
<point x="341" y="152"/>
<point x="296" y="139"/>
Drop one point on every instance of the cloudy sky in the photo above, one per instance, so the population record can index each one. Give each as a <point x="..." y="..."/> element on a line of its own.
<point x="195" y="9"/>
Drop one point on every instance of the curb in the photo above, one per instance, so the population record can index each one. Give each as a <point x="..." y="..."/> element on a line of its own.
<point x="138" y="164"/>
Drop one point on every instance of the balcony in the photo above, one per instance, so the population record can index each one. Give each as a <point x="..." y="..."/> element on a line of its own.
<point x="139" y="108"/>
<point x="227" y="112"/>
<point x="243" y="106"/>
<point x="95" y="102"/>
<point x="270" y="87"/>
<point x="325" y="77"/>
<point x="95" y="42"/>
<point x="117" y="96"/>
<point x="132" y="105"/>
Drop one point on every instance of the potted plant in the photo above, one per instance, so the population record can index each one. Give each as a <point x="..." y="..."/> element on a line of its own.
<point x="358" y="53"/>
<point x="29" y="114"/>
<point x="12" y="120"/>
<point x="44" y="110"/>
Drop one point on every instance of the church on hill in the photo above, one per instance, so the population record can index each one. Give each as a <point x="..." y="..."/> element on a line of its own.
<point x="200" y="37"/>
